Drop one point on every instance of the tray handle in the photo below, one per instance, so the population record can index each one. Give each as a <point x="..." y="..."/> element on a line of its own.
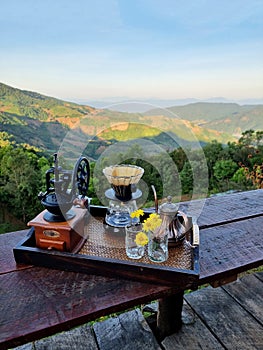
<point x="196" y="239"/>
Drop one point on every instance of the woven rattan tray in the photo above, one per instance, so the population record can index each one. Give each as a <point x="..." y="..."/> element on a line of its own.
<point x="103" y="253"/>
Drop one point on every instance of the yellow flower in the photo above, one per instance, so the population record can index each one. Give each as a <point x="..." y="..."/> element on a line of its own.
<point x="152" y="223"/>
<point x="136" y="213"/>
<point x="154" y="216"/>
<point x="141" y="239"/>
<point x="146" y="225"/>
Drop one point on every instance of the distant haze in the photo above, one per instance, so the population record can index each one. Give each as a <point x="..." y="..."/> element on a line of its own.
<point x="143" y="105"/>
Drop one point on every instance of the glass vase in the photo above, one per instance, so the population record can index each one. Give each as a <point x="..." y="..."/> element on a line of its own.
<point x="158" y="247"/>
<point x="133" y="250"/>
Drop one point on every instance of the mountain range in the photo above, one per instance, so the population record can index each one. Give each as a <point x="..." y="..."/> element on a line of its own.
<point x="42" y="121"/>
<point x="142" y="105"/>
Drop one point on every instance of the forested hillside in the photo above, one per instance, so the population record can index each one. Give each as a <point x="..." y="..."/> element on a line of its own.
<point x="37" y="106"/>
<point x="228" y="118"/>
<point x="42" y="121"/>
<point x="237" y="166"/>
<point x="35" y="119"/>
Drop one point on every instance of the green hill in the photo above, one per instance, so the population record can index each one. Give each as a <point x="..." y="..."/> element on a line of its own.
<point x="44" y="121"/>
<point x="37" y="106"/>
<point x="251" y="118"/>
<point x="36" y="119"/>
<point x="25" y="130"/>
<point x="228" y="118"/>
<point x="205" y="111"/>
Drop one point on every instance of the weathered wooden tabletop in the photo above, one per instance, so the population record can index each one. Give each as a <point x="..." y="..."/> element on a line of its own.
<point x="36" y="302"/>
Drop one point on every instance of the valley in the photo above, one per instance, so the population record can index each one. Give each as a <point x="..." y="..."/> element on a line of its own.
<point x="43" y="122"/>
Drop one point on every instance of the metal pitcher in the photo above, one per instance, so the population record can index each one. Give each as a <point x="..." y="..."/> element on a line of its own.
<point x="175" y="221"/>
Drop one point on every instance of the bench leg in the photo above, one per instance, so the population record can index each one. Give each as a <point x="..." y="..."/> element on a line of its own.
<point x="169" y="316"/>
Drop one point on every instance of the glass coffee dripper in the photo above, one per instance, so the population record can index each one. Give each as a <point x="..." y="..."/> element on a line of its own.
<point x="123" y="193"/>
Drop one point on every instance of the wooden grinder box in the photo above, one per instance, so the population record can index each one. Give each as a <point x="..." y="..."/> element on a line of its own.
<point x="62" y="236"/>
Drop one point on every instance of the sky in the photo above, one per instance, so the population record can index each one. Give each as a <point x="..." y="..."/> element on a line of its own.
<point x="133" y="49"/>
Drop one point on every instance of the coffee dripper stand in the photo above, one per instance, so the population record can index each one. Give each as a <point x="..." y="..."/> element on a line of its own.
<point x="120" y="208"/>
<point x="122" y="196"/>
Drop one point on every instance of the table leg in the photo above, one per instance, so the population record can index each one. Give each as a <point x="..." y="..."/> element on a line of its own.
<point x="169" y="314"/>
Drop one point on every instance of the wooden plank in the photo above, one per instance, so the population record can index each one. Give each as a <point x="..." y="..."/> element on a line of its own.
<point x="227" y="320"/>
<point x="223" y="281"/>
<point x="193" y="335"/>
<point x="48" y="301"/>
<point x="80" y="338"/>
<point x="8" y="242"/>
<point x="230" y="249"/>
<point x="128" y="331"/>
<point x="28" y="346"/>
<point x="248" y="292"/>
<point x="259" y="275"/>
<point x="226" y="208"/>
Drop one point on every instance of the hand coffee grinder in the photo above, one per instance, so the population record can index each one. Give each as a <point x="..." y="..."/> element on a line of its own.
<point x="61" y="225"/>
<point x="122" y="195"/>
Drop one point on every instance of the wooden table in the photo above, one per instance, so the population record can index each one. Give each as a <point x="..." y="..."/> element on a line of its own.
<point x="37" y="302"/>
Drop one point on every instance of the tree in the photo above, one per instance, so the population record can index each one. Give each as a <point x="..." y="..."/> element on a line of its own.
<point x="240" y="178"/>
<point x="213" y="152"/>
<point x="247" y="138"/>
<point x="5" y="139"/>
<point x="179" y="157"/>
<point x="21" y="181"/>
<point x="186" y="176"/>
<point x="224" y="169"/>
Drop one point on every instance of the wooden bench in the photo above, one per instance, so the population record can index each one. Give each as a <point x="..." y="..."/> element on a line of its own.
<point x="228" y="317"/>
<point x="37" y="302"/>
